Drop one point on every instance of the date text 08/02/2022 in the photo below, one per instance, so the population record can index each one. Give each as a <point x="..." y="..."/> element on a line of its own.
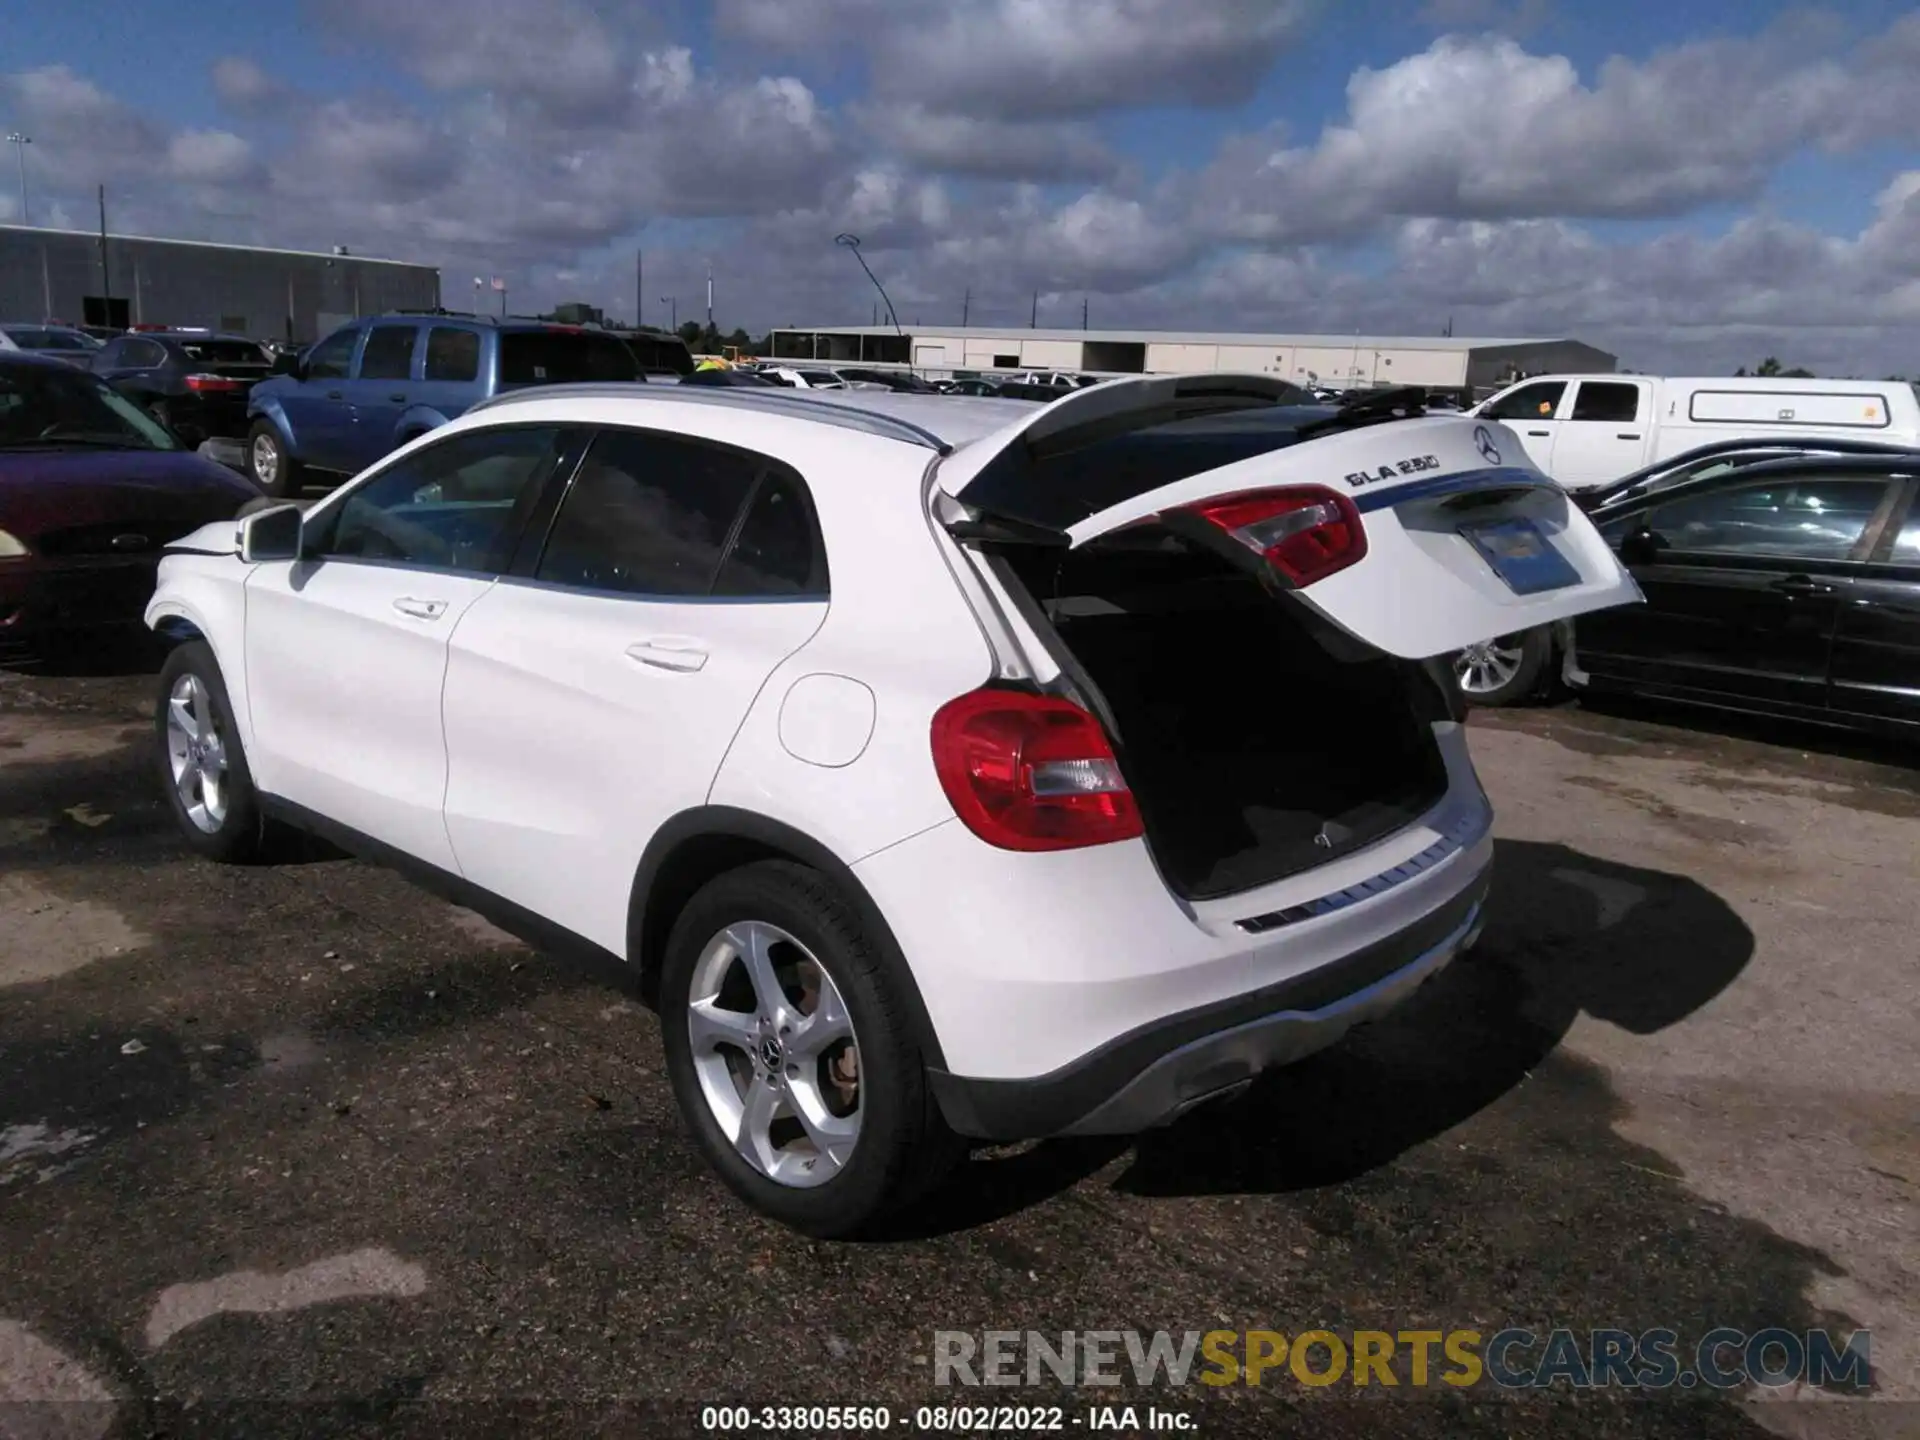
<point x="944" y="1419"/>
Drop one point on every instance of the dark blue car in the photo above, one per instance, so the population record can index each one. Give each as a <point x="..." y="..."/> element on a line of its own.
<point x="371" y="386"/>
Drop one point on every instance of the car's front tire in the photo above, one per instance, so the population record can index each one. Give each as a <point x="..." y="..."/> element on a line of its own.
<point x="791" y="1054"/>
<point x="272" y="468"/>
<point x="202" y="765"/>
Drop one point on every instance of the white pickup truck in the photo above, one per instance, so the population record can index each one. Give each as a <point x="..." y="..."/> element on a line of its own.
<point x="1585" y="430"/>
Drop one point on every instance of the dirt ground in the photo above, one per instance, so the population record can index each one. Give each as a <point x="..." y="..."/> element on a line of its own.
<point x="302" y="1150"/>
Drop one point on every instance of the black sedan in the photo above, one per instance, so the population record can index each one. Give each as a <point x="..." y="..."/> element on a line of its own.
<point x="1788" y="586"/>
<point x="194" y="382"/>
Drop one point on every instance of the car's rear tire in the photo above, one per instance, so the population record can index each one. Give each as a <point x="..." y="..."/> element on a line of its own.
<point x="272" y="468"/>
<point x="1508" y="670"/>
<point x="818" y="1115"/>
<point x="203" y="768"/>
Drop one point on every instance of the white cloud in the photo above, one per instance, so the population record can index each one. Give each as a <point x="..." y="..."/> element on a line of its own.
<point x="1027" y="58"/>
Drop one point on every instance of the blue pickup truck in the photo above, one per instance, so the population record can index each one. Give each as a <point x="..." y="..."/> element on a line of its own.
<point x="371" y="386"/>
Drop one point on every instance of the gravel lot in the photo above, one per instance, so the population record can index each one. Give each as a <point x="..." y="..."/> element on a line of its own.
<point x="307" y="1151"/>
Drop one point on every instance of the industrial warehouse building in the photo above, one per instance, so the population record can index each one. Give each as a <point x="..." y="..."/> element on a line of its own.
<point x="77" y="277"/>
<point x="1339" y="362"/>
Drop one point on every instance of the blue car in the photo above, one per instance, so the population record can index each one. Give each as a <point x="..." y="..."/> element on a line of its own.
<point x="371" y="386"/>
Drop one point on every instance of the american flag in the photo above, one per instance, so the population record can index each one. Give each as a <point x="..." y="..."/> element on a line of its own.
<point x="499" y="283"/>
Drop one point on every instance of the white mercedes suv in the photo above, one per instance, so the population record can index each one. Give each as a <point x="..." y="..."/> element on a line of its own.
<point x="947" y="768"/>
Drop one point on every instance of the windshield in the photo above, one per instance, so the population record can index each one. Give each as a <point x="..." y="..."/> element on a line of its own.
<point x="68" y="340"/>
<point x="46" y="406"/>
<point x="562" y="357"/>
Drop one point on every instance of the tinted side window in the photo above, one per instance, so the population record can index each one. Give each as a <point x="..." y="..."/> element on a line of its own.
<point x="389" y="353"/>
<point x="647" y="515"/>
<point x="1529" y="402"/>
<point x="330" y="358"/>
<point x="142" y="354"/>
<point x="1813" y="519"/>
<point x="452" y="354"/>
<point x="778" y="550"/>
<point x="456" y="505"/>
<point x="558" y="357"/>
<point x="1906" y="545"/>
<point x="1602" y="400"/>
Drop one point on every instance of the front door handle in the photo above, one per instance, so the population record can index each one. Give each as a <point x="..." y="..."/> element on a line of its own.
<point x="1627" y="436"/>
<point x="670" y="653"/>
<point x="398" y="398"/>
<point x="1802" y="585"/>
<point x="1540" y="434"/>
<point x="333" y="395"/>
<point x="420" y="609"/>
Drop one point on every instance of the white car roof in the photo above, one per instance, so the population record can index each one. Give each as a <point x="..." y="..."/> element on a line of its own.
<point x="942" y="421"/>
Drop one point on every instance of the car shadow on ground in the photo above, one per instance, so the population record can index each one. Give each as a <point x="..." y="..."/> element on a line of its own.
<point x="1566" y="934"/>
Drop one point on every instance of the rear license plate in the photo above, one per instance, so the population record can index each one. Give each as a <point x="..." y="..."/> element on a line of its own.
<point x="1520" y="555"/>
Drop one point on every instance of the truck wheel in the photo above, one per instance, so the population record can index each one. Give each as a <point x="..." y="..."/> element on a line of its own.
<point x="1504" y="671"/>
<point x="791" y="1056"/>
<point x="273" y="470"/>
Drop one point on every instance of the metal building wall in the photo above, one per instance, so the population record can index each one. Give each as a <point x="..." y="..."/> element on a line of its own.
<point x="271" y="293"/>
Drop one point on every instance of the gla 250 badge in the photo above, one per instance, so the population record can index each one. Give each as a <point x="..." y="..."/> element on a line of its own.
<point x="1413" y="465"/>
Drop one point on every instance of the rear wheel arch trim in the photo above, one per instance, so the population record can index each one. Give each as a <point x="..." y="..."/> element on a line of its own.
<point x="701" y="843"/>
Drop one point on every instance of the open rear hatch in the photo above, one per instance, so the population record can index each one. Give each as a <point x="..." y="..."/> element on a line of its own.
<point x="1245" y="588"/>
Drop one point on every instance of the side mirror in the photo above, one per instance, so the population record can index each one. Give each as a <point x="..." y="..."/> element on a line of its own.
<point x="286" y="364"/>
<point x="1641" y="546"/>
<point x="271" y="534"/>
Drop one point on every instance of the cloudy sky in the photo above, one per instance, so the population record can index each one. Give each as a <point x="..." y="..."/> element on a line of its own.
<point x="1690" y="184"/>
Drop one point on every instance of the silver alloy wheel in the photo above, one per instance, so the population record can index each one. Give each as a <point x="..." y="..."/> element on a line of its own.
<point x="266" y="459"/>
<point x="782" y="1077"/>
<point x="1484" y="668"/>
<point x="197" y="754"/>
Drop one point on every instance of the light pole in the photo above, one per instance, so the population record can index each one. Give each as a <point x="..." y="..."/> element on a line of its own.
<point x="673" y="311"/>
<point x="852" y="242"/>
<point x="20" y="143"/>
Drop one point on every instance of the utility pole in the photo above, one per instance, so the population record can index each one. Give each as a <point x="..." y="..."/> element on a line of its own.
<point x="1083" y="312"/>
<point x="20" y="143"/>
<point x="639" y="287"/>
<point x="966" y="306"/>
<point x="1033" y="321"/>
<point x="106" y="279"/>
<point x="709" y="297"/>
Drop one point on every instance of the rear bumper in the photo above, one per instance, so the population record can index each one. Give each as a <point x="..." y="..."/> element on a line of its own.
<point x="39" y="597"/>
<point x="1071" y="991"/>
<point x="1157" y="1073"/>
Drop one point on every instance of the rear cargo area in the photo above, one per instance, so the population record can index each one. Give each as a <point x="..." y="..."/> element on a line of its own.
<point x="1254" y="751"/>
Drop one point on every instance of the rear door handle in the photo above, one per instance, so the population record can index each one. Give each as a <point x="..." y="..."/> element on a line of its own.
<point x="1542" y="434"/>
<point x="420" y="609"/>
<point x="333" y="395"/>
<point x="1626" y="436"/>
<point x="669" y="653"/>
<point x="1802" y="585"/>
<point x="398" y="399"/>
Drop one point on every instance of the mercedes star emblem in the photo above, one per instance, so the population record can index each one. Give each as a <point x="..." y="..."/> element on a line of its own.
<point x="1483" y="442"/>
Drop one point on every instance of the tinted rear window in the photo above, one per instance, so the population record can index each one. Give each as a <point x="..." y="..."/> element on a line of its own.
<point x="224" y="352"/>
<point x="562" y="357"/>
<point x="1062" y="490"/>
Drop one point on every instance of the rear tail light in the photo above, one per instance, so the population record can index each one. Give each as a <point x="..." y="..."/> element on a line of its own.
<point x="213" y="384"/>
<point x="1031" y="772"/>
<point x="1306" y="533"/>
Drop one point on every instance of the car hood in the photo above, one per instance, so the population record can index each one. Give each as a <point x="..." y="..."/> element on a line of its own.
<point x="46" y="490"/>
